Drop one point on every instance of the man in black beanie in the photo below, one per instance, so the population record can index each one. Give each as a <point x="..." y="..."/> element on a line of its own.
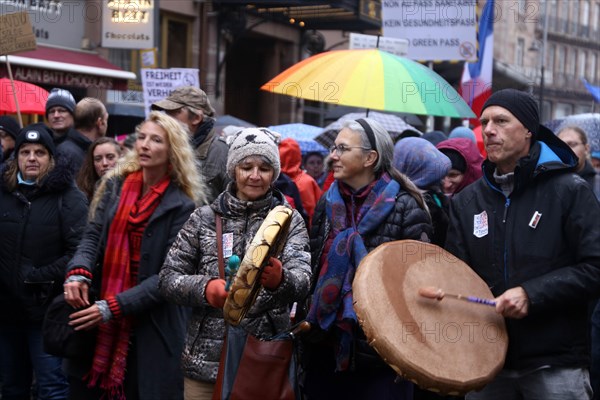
<point x="530" y="230"/>
<point x="60" y="110"/>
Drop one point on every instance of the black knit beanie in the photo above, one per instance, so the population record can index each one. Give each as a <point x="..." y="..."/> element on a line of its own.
<point x="36" y="133"/>
<point x="520" y="104"/>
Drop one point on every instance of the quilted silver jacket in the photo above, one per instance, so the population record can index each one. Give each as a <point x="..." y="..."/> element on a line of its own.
<point x="192" y="263"/>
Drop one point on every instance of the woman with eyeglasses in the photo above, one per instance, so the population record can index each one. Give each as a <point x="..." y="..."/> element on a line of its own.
<point x="369" y="203"/>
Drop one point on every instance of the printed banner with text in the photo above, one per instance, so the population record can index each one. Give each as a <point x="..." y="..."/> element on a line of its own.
<point x="436" y="30"/>
<point x="159" y="83"/>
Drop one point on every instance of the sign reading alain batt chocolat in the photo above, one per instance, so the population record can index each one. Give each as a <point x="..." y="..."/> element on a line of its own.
<point x="443" y="30"/>
<point x="128" y="24"/>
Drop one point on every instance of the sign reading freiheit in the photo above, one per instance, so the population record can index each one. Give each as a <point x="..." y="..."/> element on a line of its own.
<point x="16" y="33"/>
<point x="443" y="30"/>
<point x="159" y="83"/>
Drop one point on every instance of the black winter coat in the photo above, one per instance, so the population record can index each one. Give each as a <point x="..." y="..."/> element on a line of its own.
<point x="544" y="237"/>
<point x="159" y="326"/>
<point x="40" y="228"/>
<point x="406" y="221"/>
<point x="73" y="145"/>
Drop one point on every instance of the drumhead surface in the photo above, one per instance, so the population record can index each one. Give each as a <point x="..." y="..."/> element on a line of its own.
<point x="450" y="346"/>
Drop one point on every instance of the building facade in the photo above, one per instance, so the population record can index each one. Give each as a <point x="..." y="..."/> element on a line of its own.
<point x="548" y="47"/>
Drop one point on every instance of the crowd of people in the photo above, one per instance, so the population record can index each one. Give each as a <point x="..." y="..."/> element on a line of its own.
<point x="132" y="237"/>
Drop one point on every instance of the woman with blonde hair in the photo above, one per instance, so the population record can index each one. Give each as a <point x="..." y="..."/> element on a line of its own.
<point x="134" y="218"/>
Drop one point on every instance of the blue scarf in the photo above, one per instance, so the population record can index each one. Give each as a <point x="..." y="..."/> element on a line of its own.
<point x="332" y="300"/>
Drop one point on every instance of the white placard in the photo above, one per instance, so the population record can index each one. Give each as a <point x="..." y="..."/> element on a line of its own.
<point x="443" y="30"/>
<point x="391" y="45"/>
<point x="159" y="83"/>
<point x="128" y="24"/>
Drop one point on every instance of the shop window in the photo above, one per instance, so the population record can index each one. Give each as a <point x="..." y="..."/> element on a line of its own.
<point x="563" y="109"/>
<point x="581" y="64"/>
<point x="520" y="52"/>
<point x="176" y="41"/>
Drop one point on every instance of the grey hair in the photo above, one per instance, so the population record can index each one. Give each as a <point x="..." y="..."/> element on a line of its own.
<point x="384" y="146"/>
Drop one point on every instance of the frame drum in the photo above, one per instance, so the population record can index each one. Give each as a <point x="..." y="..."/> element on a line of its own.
<point x="448" y="346"/>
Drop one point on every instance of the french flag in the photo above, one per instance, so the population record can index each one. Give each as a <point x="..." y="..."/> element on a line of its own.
<point x="476" y="81"/>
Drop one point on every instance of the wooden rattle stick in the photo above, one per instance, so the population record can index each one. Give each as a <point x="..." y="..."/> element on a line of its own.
<point x="432" y="292"/>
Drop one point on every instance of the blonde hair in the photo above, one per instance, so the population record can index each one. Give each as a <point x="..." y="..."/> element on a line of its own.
<point x="183" y="171"/>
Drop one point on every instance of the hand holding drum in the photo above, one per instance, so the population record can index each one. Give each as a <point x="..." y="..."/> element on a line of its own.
<point x="268" y="242"/>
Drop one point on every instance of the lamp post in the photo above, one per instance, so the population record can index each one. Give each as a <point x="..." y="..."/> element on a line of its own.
<point x="544" y="44"/>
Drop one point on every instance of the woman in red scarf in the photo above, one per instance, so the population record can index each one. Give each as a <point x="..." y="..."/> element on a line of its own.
<point x="134" y="218"/>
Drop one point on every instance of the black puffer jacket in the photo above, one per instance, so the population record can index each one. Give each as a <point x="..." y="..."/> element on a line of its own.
<point x="555" y="258"/>
<point x="407" y="221"/>
<point x="40" y="228"/>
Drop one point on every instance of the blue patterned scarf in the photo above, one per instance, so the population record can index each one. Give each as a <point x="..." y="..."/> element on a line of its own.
<point x="332" y="300"/>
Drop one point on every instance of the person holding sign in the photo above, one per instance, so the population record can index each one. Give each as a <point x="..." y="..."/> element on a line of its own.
<point x="191" y="106"/>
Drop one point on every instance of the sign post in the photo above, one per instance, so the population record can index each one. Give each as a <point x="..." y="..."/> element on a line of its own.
<point x="16" y="35"/>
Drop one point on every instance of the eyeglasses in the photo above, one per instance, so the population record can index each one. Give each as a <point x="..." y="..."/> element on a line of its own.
<point x="341" y="149"/>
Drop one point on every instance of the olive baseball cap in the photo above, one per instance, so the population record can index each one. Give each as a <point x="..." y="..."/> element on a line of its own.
<point x="185" y="96"/>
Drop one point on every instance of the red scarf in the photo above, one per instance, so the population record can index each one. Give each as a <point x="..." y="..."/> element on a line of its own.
<point x="112" y="343"/>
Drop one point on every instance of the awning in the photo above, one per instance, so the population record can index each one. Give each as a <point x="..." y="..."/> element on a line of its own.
<point x="61" y="67"/>
<point x="348" y="15"/>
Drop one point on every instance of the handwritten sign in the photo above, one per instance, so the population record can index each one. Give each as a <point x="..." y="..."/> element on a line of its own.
<point x="159" y="83"/>
<point x="16" y="33"/>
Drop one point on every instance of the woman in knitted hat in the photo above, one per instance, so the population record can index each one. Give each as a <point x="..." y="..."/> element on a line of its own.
<point x="191" y="277"/>
<point x="135" y="215"/>
<point x="369" y="203"/>
<point x="43" y="216"/>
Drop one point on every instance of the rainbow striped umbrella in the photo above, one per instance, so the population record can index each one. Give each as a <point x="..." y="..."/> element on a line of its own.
<point x="372" y="79"/>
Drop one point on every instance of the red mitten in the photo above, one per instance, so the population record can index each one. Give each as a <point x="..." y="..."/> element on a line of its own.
<point x="272" y="274"/>
<point x="215" y="293"/>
